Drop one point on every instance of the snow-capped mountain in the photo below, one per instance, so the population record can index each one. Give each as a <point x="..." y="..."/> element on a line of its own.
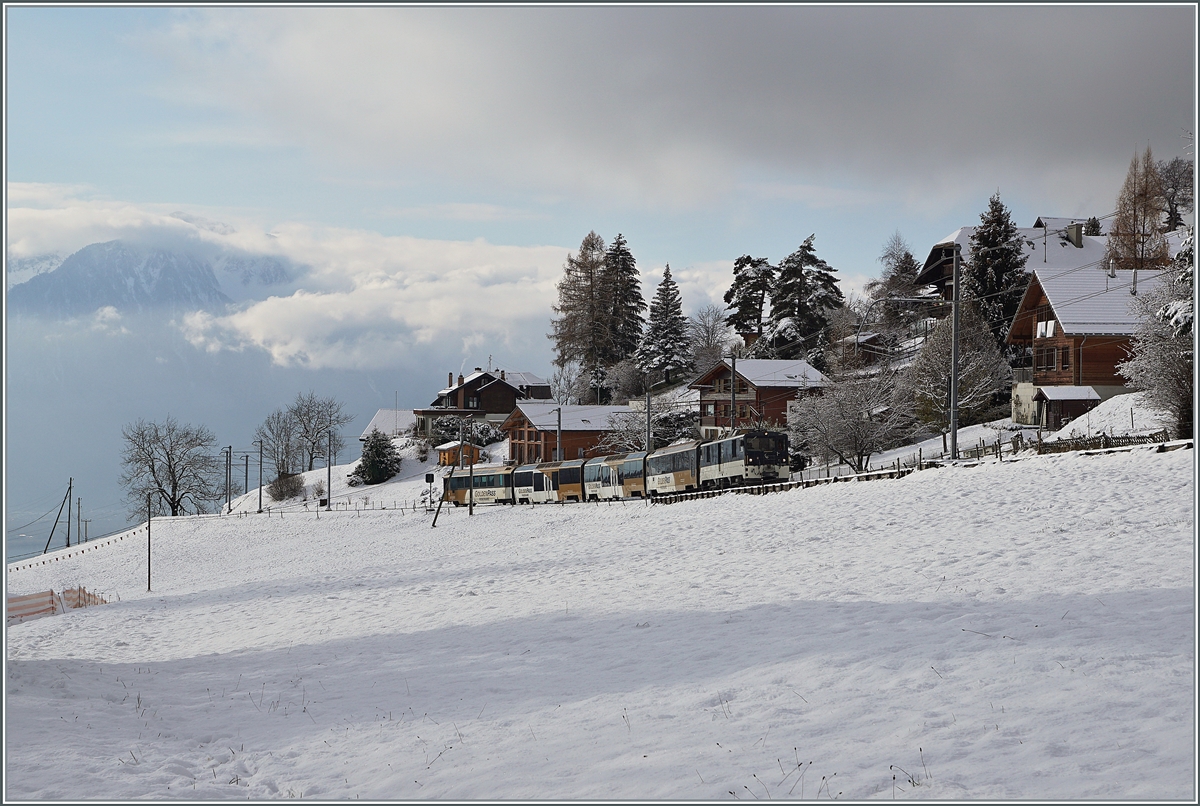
<point x="22" y="269"/>
<point x="133" y="278"/>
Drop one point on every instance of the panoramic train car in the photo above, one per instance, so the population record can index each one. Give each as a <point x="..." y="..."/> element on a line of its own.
<point x="631" y="473"/>
<point x="755" y="457"/>
<point x="531" y="485"/>
<point x="673" y="469"/>
<point x="482" y="484"/>
<point x="601" y="479"/>
<point x="564" y="481"/>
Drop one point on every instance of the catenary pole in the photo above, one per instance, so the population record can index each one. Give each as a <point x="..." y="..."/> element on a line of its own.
<point x="149" y="496"/>
<point x="732" y="392"/>
<point x="260" y="463"/>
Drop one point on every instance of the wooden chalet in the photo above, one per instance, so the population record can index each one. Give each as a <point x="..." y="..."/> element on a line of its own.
<point x="532" y="430"/>
<point x="482" y="395"/>
<point x="760" y="388"/>
<point x="1078" y="324"/>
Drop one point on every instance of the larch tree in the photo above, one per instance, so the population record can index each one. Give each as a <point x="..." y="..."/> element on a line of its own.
<point x="622" y="290"/>
<point x="747" y="296"/>
<point x="581" y="328"/>
<point x="665" y="346"/>
<point x="1164" y="346"/>
<point x="803" y="294"/>
<point x="1178" y="192"/>
<point x="995" y="275"/>
<point x="1135" y="237"/>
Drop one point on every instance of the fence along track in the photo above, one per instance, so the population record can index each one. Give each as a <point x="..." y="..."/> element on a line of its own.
<point x="1097" y="444"/>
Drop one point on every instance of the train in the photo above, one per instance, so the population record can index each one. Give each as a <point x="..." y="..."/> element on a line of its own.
<point x="752" y="457"/>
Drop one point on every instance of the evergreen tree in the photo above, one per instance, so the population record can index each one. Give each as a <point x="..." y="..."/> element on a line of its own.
<point x="900" y="270"/>
<point x="1092" y="226"/>
<point x="581" y="331"/>
<point x="996" y="278"/>
<point x="665" y="347"/>
<point x="380" y="460"/>
<point x="747" y="297"/>
<point x="1135" y="239"/>
<point x="1177" y="177"/>
<point x="622" y="288"/>
<point x="804" y="292"/>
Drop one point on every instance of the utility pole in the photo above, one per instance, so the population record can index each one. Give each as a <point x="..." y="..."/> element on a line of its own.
<point x="70" y="487"/>
<point x="329" y="470"/>
<point x="260" y="463"/>
<point x="228" y="477"/>
<point x="732" y="391"/>
<point x="558" y="449"/>
<point x="649" y="432"/>
<point x="78" y="521"/>
<point x="149" y="496"/>
<point x="954" y="355"/>
<point x="246" y="488"/>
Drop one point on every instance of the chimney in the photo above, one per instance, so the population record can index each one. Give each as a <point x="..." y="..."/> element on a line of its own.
<point x="1075" y="234"/>
<point x="449" y="379"/>
<point x="479" y="369"/>
<point x="1133" y="290"/>
<point x="460" y="380"/>
<point x="501" y="374"/>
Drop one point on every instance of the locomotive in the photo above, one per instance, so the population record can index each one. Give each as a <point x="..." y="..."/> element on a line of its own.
<point x="752" y="457"/>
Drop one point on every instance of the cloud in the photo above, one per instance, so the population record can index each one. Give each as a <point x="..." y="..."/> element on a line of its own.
<point x="462" y="211"/>
<point x="686" y="101"/>
<point x="107" y="320"/>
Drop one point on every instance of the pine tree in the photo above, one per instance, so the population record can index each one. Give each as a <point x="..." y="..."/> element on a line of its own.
<point x="380" y="460"/>
<point x="665" y="347"/>
<point x="581" y="331"/>
<point x="996" y="278"/>
<point x="622" y="287"/>
<point x="747" y="297"/>
<point x="803" y="294"/>
<point x="1092" y="226"/>
<point x="900" y="270"/>
<point x="1135" y="239"/>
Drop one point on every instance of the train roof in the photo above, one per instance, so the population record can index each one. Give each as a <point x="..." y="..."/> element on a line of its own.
<point x="467" y="471"/>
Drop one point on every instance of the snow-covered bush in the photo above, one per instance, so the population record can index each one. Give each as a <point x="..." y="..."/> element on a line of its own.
<point x="287" y="485"/>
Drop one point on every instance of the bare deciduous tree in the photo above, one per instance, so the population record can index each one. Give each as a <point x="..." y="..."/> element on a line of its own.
<point x="1135" y="238"/>
<point x="280" y="438"/>
<point x="317" y="421"/>
<point x="1178" y="193"/>
<point x="710" y="334"/>
<point x="855" y="417"/>
<point x="171" y="463"/>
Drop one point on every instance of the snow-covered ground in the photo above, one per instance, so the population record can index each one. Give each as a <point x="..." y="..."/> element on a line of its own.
<point x="1014" y="630"/>
<point x="1118" y="416"/>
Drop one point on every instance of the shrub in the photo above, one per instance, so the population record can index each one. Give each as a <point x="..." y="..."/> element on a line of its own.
<point x="288" y="485"/>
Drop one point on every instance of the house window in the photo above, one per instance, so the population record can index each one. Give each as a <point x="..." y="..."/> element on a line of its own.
<point x="472" y="402"/>
<point x="1044" y="358"/>
<point x="1066" y="358"/>
<point x="710" y="409"/>
<point x="1045" y="330"/>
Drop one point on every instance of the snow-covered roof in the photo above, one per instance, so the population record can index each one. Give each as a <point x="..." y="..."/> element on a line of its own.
<point x="775" y="372"/>
<point x="1088" y="301"/>
<point x="1052" y="223"/>
<point x="1066" y="393"/>
<point x="449" y="446"/>
<point x="543" y="416"/>
<point x="514" y="379"/>
<point x="390" y="421"/>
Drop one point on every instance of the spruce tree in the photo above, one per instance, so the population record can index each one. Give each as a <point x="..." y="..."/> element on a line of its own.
<point x="622" y="287"/>
<point x="380" y="460"/>
<point x="1092" y="226"/>
<point x="804" y="292"/>
<point x="996" y="278"/>
<point x="747" y="296"/>
<point x="1135" y="239"/>
<point x="581" y="329"/>
<point x="666" y="346"/>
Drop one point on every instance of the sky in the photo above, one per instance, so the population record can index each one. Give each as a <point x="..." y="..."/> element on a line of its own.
<point x="431" y="168"/>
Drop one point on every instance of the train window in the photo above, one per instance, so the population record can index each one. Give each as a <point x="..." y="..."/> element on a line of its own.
<point x="539" y="482"/>
<point x="554" y="480"/>
<point x="591" y="472"/>
<point x="523" y="479"/>
<point x="631" y="470"/>
<point x="568" y="475"/>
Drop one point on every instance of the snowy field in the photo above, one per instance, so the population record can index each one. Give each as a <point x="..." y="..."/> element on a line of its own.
<point x="1023" y="630"/>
